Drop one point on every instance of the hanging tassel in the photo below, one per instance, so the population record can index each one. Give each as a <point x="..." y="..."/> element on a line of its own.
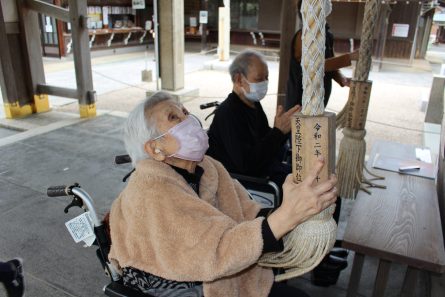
<point x="341" y="118"/>
<point x="304" y="247"/>
<point x="350" y="162"/>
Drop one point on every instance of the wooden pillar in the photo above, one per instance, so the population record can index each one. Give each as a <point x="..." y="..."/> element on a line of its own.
<point x="61" y="41"/>
<point x="385" y="10"/>
<point x="171" y="27"/>
<point x="428" y="17"/>
<point x="7" y="79"/>
<point x="204" y="7"/>
<point x="441" y="179"/>
<point x="359" y="18"/>
<point x="21" y="62"/>
<point x="224" y="32"/>
<point x="288" y="28"/>
<point x="32" y="50"/>
<point x="416" y="36"/>
<point x="82" y="58"/>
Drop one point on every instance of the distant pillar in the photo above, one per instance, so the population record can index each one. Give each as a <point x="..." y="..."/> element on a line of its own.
<point x="82" y="58"/>
<point x="171" y="34"/>
<point x="21" y="66"/>
<point x="385" y="11"/>
<point x="224" y="32"/>
<point x="289" y="21"/>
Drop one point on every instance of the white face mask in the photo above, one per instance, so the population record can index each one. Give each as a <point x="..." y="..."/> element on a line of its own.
<point x="192" y="139"/>
<point x="257" y="90"/>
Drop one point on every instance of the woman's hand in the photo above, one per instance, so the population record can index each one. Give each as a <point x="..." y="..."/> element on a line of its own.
<point x="302" y="201"/>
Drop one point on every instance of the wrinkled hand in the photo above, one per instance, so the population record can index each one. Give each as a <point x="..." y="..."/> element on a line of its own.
<point x="302" y="201"/>
<point x="282" y="118"/>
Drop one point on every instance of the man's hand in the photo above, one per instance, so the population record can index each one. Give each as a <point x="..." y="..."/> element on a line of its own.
<point x="342" y="80"/>
<point x="302" y="201"/>
<point x="345" y="82"/>
<point x="282" y="119"/>
<point x="354" y="55"/>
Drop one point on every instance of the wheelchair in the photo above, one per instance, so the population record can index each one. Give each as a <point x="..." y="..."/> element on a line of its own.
<point x="80" y="198"/>
<point x="261" y="190"/>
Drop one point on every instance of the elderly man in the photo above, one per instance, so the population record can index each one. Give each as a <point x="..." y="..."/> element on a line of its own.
<point x="240" y="136"/>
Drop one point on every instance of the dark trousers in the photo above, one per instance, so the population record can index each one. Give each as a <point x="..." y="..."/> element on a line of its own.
<point x="336" y="214"/>
<point x="7" y="273"/>
<point x="283" y="290"/>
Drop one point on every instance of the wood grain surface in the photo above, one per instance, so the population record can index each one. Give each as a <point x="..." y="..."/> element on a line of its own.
<point x="400" y="223"/>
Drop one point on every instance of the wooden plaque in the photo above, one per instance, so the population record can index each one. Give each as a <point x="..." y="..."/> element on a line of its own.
<point x="360" y="94"/>
<point x="313" y="136"/>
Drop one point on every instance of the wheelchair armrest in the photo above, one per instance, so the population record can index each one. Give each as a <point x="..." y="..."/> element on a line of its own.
<point x="251" y="179"/>
<point x="115" y="289"/>
<point x="259" y="184"/>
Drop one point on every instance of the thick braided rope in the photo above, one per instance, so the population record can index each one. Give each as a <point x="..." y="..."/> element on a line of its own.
<point x="352" y="149"/>
<point x="309" y="242"/>
<point x="312" y="59"/>
<point x="364" y="62"/>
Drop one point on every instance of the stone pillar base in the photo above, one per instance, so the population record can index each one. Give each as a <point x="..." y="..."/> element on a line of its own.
<point x="183" y="95"/>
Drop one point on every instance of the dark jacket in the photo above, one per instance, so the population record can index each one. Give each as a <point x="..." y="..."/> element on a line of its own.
<point x="294" y="88"/>
<point x="241" y="139"/>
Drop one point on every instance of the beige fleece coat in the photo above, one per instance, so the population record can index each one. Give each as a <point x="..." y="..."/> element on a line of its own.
<point x="160" y="225"/>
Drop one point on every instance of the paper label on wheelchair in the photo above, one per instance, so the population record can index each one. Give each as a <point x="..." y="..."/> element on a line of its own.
<point x="89" y="240"/>
<point x="81" y="227"/>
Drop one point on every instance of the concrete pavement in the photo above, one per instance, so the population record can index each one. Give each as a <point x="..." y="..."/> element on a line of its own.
<point x="57" y="147"/>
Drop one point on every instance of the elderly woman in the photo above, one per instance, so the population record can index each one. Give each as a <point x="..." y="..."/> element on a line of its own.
<point x="184" y="227"/>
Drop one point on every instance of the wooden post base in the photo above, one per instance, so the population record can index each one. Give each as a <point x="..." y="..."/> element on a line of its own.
<point x="41" y="103"/>
<point x="87" y="110"/>
<point x="15" y="110"/>
<point x="312" y="137"/>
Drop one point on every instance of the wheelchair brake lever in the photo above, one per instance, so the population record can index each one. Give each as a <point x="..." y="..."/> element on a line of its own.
<point x="76" y="202"/>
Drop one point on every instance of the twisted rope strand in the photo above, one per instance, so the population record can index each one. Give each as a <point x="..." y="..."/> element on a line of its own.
<point x="309" y="242"/>
<point x="364" y="62"/>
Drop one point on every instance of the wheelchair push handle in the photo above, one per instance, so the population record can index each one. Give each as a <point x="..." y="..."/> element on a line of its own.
<point x="208" y="105"/>
<point x="58" y="191"/>
<point x="80" y="199"/>
<point x="122" y="159"/>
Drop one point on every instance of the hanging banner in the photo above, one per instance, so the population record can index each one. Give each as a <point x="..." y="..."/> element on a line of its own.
<point x="138" y="4"/>
<point x="203" y="16"/>
<point x="400" y="30"/>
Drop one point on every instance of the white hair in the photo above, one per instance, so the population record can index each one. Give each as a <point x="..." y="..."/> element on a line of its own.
<point x="138" y="129"/>
<point x="242" y="62"/>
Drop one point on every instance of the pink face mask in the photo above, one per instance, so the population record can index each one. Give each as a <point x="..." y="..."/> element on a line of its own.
<point x="192" y="139"/>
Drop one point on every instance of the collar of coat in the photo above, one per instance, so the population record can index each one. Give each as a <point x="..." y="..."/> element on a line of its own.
<point x="208" y="185"/>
